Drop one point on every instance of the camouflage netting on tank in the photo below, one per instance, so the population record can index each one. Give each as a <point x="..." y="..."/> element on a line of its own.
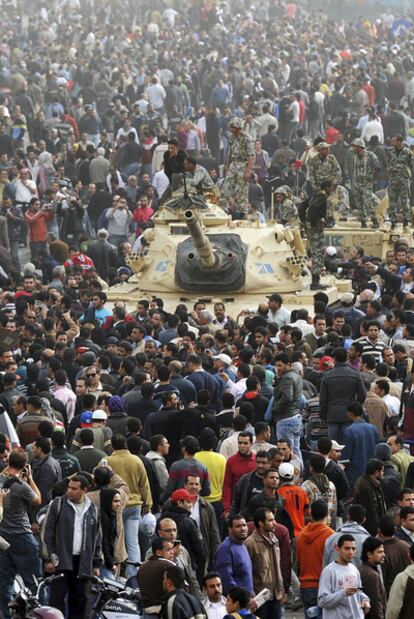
<point x="229" y="274"/>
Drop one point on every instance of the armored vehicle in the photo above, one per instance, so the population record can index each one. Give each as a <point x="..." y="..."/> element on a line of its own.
<point x="194" y="251"/>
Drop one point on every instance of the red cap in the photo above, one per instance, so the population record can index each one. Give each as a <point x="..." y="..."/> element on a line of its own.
<point x="323" y="363"/>
<point x="182" y="495"/>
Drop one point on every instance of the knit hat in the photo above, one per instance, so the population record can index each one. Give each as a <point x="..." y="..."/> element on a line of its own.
<point x="116" y="404"/>
<point x="383" y="451"/>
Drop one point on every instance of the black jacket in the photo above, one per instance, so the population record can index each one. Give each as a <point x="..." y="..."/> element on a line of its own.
<point x="400" y="534"/>
<point x="390" y="484"/>
<point x="241" y="494"/>
<point x="58" y="536"/>
<point x="188" y="533"/>
<point x="367" y="492"/>
<point x="339" y="387"/>
<point x="181" y="605"/>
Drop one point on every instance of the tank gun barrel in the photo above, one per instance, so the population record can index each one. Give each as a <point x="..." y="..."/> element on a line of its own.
<point x="208" y="258"/>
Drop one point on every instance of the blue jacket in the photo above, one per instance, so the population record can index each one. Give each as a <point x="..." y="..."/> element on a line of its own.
<point x="233" y="564"/>
<point x="361" y="438"/>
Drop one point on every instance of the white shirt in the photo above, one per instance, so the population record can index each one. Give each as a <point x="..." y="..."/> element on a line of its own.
<point x="373" y="127"/>
<point x="160" y="182"/>
<point x="305" y="327"/>
<point x="195" y="511"/>
<point x="23" y="193"/>
<point x="230" y="445"/>
<point x="281" y="316"/>
<point x="393" y="405"/>
<point x="409" y="533"/>
<point x="294" y="109"/>
<point x="156" y="95"/>
<point x="125" y="132"/>
<point x="215" y="610"/>
<point x="80" y="510"/>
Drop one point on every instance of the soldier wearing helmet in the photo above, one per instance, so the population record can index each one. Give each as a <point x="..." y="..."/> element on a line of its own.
<point x="365" y="165"/>
<point x="238" y="168"/>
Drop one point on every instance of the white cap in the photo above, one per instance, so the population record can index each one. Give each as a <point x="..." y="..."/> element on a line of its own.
<point x="99" y="415"/>
<point x="286" y="470"/>
<point x="337" y="447"/>
<point x="223" y="357"/>
<point x="331" y="251"/>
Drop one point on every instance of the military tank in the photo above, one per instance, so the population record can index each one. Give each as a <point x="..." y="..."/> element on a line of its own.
<point x="195" y="251"/>
<point x="375" y="241"/>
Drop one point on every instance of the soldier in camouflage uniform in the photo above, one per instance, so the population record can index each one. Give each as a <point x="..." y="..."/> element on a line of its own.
<point x="365" y="165"/>
<point x="400" y="169"/>
<point x="338" y="203"/>
<point x="324" y="167"/>
<point x="240" y="158"/>
<point x="287" y="208"/>
<point x="315" y="220"/>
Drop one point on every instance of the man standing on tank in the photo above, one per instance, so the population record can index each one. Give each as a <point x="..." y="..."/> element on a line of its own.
<point x="238" y="169"/>
<point x="315" y="221"/>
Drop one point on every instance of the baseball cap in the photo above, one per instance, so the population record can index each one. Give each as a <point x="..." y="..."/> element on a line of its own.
<point x="86" y="419"/>
<point x="182" y="495"/>
<point x="337" y="447"/>
<point x="347" y="297"/>
<point x="99" y="415"/>
<point x="286" y="470"/>
<point x="331" y="251"/>
<point x="224" y="358"/>
<point x="82" y="349"/>
<point x="323" y="363"/>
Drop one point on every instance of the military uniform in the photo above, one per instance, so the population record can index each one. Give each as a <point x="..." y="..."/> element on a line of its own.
<point x="200" y="180"/>
<point x="400" y="168"/>
<point x="235" y="189"/>
<point x="315" y="218"/>
<point x="287" y="208"/>
<point x="324" y="169"/>
<point x="338" y="202"/>
<point x="363" y="171"/>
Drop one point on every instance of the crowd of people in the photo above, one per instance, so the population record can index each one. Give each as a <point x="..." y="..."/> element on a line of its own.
<point x="236" y="465"/>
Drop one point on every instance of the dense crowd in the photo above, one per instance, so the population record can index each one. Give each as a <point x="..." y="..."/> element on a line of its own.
<point x="214" y="457"/>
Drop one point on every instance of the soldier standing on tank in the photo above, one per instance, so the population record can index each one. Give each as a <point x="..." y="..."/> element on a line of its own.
<point x="400" y="171"/>
<point x="287" y="208"/>
<point x="338" y="201"/>
<point x="365" y="165"/>
<point x="239" y="165"/>
<point x="324" y="167"/>
<point x="315" y="221"/>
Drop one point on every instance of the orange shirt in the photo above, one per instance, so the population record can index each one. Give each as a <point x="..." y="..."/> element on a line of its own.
<point x="296" y="505"/>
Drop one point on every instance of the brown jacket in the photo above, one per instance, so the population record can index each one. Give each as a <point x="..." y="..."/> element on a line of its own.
<point x="374" y="589"/>
<point x="377" y="411"/>
<point x="265" y="557"/>
<point x="397" y="558"/>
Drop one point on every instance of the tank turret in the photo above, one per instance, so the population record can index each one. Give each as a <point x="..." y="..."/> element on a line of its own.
<point x="207" y="258"/>
<point x="193" y="250"/>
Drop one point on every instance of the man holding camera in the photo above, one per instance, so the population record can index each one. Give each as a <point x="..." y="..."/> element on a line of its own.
<point x="36" y="219"/>
<point x="22" y="554"/>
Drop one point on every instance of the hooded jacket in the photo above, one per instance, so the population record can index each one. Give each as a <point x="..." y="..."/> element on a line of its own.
<point x="310" y="545"/>
<point x="350" y="528"/>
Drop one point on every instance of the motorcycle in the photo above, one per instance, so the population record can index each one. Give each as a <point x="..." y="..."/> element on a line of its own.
<point x="114" y="600"/>
<point x="27" y="605"/>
